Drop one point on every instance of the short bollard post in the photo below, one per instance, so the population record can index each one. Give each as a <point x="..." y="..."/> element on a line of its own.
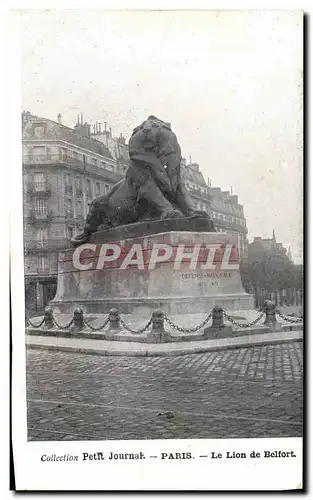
<point x="157" y="321"/>
<point x="217" y="317"/>
<point x="114" y="320"/>
<point x="48" y="316"/>
<point x="157" y="333"/>
<point x="78" y="319"/>
<point x="270" y="315"/>
<point x="218" y="329"/>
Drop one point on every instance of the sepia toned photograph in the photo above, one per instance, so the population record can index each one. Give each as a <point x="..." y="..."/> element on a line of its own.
<point x="162" y="174"/>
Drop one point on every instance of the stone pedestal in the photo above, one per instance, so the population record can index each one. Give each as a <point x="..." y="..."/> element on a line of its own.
<point x="175" y="271"/>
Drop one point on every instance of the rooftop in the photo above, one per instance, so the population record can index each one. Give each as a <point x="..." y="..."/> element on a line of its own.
<point x="54" y="130"/>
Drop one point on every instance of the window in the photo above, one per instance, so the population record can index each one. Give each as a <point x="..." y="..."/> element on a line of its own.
<point x="39" y="132"/>
<point x="68" y="207"/>
<point x="98" y="189"/>
<point x="63" y="153"/>
<point x="84" y="158"/>
<point x="67" y="180"/>
<point x="78" y="183"/>
<point x="88" y="187"/>
<point x="79" y="207"/>
<point x="70" y="232"/>
<point x="39" y="182"/>
<point x="95" y="161"/>
<point x="41" y="208"/>
<point x="39" y="152"/>
<point x="43" y="264"/>
<point x="41" y="237"/>
<point x="103" y="164"/>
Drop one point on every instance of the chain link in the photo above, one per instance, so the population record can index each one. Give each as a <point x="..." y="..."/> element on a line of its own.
<point x="243" y="325"/>
<point x="170" y="322"/>
<point x="187" y="330"/>
<point x="36" y="326"/>
<point x="290" y="320"/>
<point x="140" y="330"/>
<point x="96" y="328"/>
<point x="62" y="326"/>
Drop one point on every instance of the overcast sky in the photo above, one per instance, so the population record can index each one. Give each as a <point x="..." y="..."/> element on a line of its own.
<point x="230" y="82"/>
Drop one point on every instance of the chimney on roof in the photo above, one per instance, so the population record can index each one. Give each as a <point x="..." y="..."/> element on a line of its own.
<point x="60" y="118"/>
<point x="82" y="128"/>
<point x="234" y="198"/>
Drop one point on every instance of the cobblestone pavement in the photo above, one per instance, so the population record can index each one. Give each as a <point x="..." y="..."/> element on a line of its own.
<point x="250" y="392"/>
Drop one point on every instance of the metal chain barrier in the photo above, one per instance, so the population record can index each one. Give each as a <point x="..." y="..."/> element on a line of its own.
<point x="96" y="328"/>
<point x="243" y="325"/>
<point x="36" y="326"/>
<point x="187" y="330"/>
<point x="62" y="326"/>
<point x="286" y="318"/>
<point x="140" y="330"/>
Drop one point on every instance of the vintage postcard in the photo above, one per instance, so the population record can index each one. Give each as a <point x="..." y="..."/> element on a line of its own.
<point x="157" y="250"/>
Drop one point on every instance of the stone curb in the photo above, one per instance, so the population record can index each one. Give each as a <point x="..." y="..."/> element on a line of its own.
<point x="175" y="350"/>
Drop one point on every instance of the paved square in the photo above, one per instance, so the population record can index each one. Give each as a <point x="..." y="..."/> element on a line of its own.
<point x="248" y="392"/>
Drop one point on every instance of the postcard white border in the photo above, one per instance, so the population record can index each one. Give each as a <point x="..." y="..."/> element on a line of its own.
<point x="28" y="474"/>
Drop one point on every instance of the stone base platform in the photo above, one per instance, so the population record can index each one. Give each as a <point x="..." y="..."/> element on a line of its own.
<point x="146" y="305"/>
<point x="177" y="271"/>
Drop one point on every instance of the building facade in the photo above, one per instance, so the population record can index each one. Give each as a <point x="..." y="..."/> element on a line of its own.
<point x="222" y="206"/>
<point x="64" y="169"/>
<point x="287" y="293"/>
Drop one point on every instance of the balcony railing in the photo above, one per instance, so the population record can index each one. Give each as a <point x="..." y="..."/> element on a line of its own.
<point x="47" y="245"/>
<point x="112" y="172"/>
<point x="35" y="216"/>
<point x="59" y="158"/>
<point x="41" y="191"/>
